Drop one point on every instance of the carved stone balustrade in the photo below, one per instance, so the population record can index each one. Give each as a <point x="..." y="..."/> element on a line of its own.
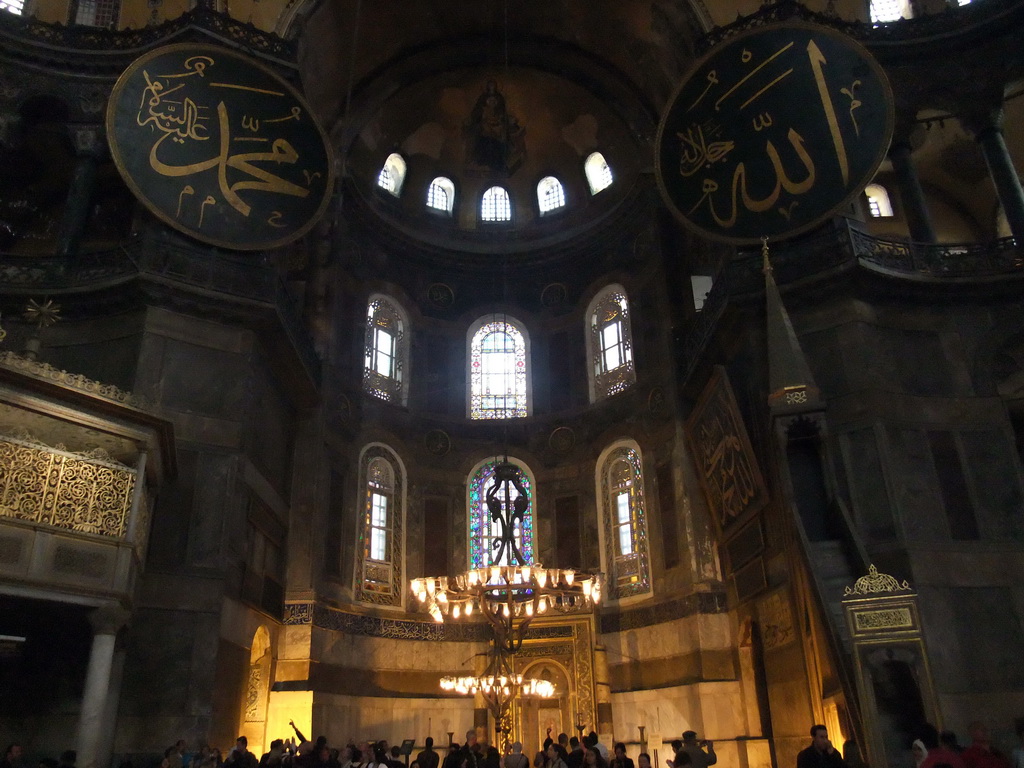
<point x="80" y="463"/>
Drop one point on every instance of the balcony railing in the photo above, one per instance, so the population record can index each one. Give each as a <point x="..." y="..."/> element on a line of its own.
<point x="76" y="492"/>
<point x="947" y="260"/>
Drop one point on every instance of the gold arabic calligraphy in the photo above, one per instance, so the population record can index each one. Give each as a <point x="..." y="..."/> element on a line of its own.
<point x="170" y="110"/>
<point x="704" y="148"/>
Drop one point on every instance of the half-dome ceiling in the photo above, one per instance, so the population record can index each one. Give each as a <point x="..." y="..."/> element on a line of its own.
<point x="487" y="127"/>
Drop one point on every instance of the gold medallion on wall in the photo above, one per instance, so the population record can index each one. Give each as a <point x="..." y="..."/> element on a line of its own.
<point x="219" y="147"/>
<point x="773" y="132"/>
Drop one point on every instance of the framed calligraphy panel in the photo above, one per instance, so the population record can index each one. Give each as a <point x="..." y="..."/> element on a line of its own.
<point x="773" y="132"/>
<point x="219" y="147"/>
<point x="726" y="464"/>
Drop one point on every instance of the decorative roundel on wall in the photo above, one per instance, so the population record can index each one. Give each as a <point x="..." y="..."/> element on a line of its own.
<point x="773" y="132"/>
<point x="440" y="295"/>
<point x="437" y="441"/>
<point x="219" y="147"/>
<point x="562" y="439"/>
<point x="553" y="295"/>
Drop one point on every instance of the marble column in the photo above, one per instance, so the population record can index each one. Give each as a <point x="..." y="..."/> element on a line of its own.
<point x="89" y="148"/>
<point x="989" y="135"/>
<point x="95" y="733"/>
<point x="919" y="221"/>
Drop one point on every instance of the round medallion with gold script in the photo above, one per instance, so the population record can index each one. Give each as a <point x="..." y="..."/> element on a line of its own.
<point x="772" y="132"/>
<point x="219" y="147"/>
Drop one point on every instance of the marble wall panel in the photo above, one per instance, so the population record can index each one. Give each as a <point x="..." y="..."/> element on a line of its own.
<point x="673" y="638"/>
<point x="351" y="718"/>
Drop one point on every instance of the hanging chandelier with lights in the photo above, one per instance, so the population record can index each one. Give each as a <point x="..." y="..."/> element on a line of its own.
<point x="511" y="594"/>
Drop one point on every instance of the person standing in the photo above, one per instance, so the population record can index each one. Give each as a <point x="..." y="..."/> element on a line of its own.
<point x="428" y="758"/>
<point x="516" y="758"/>
<point x="821" y="753"/>
<point x="620" y="760"/>
<point x="981" y="754"/>
<point x="695" y="749"/>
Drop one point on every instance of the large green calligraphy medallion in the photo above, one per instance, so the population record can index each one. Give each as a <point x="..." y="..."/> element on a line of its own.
<point x="219" y="147"/>
<point x="773" y="132"/>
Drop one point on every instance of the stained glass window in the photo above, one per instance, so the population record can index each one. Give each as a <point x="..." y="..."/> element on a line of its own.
<point x="483" y="532"/>
<point x="441" y="195"/>
<point x="625" y="521"/>
<point x="392" y="174"/>
<point x="610" y="344"/>
<point x="379" y="564"/>
<point x="497" y="373"/>
<point x="550" y="194"/>
<point x="495" y="205"/>
<point x="599" y="175"/>
<point x="385" y="350"/>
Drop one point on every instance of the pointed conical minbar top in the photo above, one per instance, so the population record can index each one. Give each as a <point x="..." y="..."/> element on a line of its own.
<point x="791" y="386"/>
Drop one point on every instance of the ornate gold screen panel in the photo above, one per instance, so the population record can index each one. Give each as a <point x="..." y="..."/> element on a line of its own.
<point x="44" y="485"/>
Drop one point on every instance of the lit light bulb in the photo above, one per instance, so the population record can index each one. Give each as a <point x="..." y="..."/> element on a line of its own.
<point x="505" y="611"/>
<point x="542" y="605"/>
<point x="495" y="571"/>
<point x="527" y="572"/>
<point x="542" y="578"/>
<point x="529" y="609"/>
<point x="469" y="608"/>
<point x="431" y="586"/>
<point x="456" y="611"/>
<point x="569" y="576"/>
<point x="588" y="587"/>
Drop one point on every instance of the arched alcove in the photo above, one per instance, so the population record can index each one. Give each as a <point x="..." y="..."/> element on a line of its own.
<point x="257" y="691"/>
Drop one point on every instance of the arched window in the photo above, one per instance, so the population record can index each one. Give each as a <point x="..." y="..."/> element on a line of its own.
<point x="386" y="350"/>
<point x="378" y="577"/>
<point x="498" y="374"/>
<point x="482" y="531"/>
<point x="550" y="195"/>
<point x="609" y="344"/>
<point x="878" y="201"/>
<point x="392" y="175"/>
<point x="889" y="10"/>
<point x="495" y="205"/>
<point x="621" y="490"/>
<point x="441" y="195"/>
<point x="14" y="6"/>
<point x="599" y="175"/>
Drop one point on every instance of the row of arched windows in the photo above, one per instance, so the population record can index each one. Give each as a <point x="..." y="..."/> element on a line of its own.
<point x="619" y="478"/>
<point x="499" y="356"/>
<point x="495" y="203"/>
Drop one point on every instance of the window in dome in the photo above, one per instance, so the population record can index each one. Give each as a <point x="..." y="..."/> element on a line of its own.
<point x="392" y="175"/>
<point x="701" y="286"/>
<point x="385" y="350"/>
<point x="483" y="531"/>
<point x="441" y="195"/>
<point x="879" y="205"/>
<point x="621" y="488"/>
<point x="378" y="577"/>
<point x="13" y="6"/>
<point x="889" y="10"/>
<point x="550" y="194"/>
<point x="599" y="175"/>
<point x="97" y="13"/>
<point x="610" y="344"/>
<point x="495" y="205"/>
<point x="497" y="371"/>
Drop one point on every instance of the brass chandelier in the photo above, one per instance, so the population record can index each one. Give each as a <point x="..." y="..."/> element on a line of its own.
<point x="510" y="593"/>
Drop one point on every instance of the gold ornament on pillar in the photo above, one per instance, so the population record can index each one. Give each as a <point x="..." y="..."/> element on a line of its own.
<point x="42" y="315"/>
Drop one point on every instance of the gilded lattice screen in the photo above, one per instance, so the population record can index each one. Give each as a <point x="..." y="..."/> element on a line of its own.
<point x="77" y="492"/>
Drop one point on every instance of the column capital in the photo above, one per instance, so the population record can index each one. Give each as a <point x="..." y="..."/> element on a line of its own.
<point x="109" y="619"/>
<point x="983" y="119"/>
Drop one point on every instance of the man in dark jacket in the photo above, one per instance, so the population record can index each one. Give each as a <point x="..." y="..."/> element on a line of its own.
<point x="821" y="753"/>
<point x="428" y="757"/>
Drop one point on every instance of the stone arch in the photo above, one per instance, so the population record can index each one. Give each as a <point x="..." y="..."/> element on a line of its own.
<point x="257" y="691"/>
<point x="534" y="716"/>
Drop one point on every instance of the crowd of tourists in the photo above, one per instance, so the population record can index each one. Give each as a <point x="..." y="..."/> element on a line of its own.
<point x="931" y="749"/>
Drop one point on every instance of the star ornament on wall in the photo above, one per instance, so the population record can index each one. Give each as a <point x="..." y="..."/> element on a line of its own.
<point x="42" y="315"/>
